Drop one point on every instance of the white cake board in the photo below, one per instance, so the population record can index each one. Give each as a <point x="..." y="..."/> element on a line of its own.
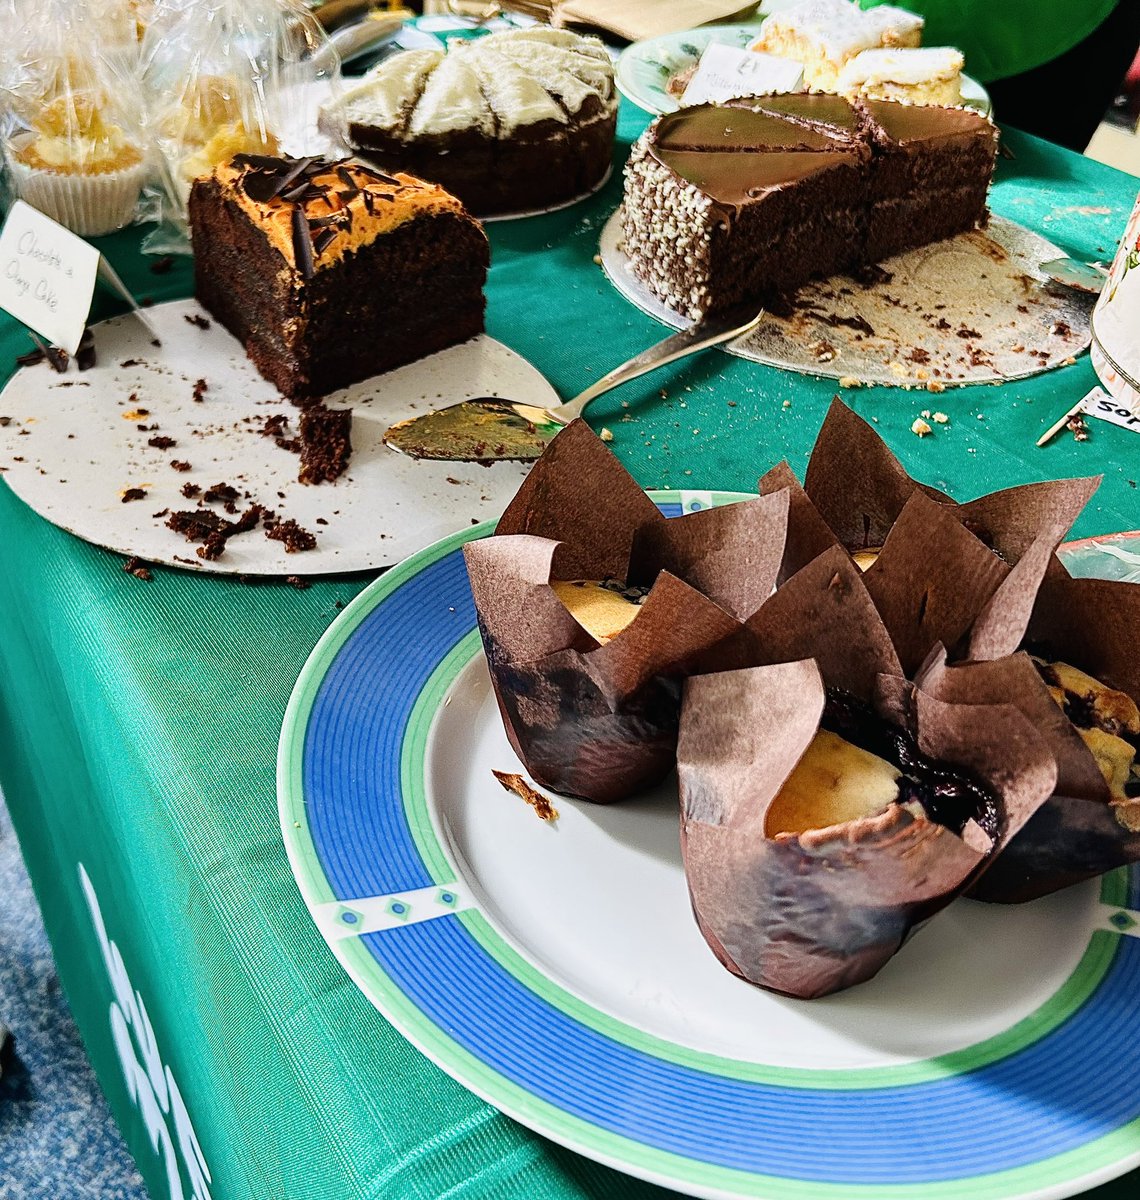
<point x="975" y="308"/>
<point x="69" y="451"/>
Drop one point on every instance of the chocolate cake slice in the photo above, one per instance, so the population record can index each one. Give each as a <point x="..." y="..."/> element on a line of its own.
<point x="742" y="201"/>
<point x="329" y="272"/>
<point x="930" y="171"/>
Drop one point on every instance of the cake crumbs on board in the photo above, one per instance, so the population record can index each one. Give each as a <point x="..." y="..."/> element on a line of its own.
<point x="517" y="784"/>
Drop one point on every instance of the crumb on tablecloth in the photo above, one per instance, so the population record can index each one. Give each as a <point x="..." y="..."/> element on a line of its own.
<point x="136" y="567"/>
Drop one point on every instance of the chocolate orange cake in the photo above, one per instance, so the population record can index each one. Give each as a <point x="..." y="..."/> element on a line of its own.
<point x="331" y="272"/>
<point x="738" y="202"/>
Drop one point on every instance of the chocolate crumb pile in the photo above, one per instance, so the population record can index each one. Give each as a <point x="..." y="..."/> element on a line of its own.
<point x="291" y="535"/>
<point x="211" y="530"/>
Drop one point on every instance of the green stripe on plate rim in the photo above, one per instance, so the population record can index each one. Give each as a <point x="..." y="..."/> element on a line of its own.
<point x="1084" y="1167"/>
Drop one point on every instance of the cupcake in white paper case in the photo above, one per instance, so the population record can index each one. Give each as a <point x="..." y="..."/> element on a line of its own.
<point x="75" y="144"/>
<point x="78" y="165"/>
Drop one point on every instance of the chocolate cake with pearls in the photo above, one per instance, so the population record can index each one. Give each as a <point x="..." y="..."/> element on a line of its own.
<point x="329" y="272"/>
<point x="740" y="202"/>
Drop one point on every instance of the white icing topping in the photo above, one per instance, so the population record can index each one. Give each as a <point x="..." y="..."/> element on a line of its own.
<point x="385" y="95"/>
<point x="495" y="84"/>
<point x="892" y="24"/>
<point x="515" y="96"/>
<point x="905" y="66"/>
<point x="838" y="29"/>
<point x="452" y="100"/>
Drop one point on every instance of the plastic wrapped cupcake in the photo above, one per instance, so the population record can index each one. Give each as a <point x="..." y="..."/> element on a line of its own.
<point x="208" y="125"/>
<point x="78" y="162"/>
<point x="222" y="78"/>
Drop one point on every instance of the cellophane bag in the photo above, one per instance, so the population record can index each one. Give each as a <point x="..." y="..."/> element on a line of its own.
<point x="226" y="77"/>
<point x="73" y="134"/>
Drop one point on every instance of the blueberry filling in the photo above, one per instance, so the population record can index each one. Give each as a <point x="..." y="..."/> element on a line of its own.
<point x="948" y="796"/>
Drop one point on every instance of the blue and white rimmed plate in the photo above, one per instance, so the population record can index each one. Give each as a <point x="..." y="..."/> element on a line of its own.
<point x="555" y="970"/>
<point x="644" y="68"/>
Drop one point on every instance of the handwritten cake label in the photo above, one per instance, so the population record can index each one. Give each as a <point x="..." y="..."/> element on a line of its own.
<point x="1098" y="403"/>
<point x="47" y="275"/>
<point x="725" y="72"/>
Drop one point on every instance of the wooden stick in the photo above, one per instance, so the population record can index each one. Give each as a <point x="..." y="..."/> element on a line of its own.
<point x="1053" y="430"/>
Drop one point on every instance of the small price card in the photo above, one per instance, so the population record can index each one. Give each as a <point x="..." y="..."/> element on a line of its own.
<point x="726" y="72"/>
<point x="47" y="275"/>
<point x="1098" y="403"/>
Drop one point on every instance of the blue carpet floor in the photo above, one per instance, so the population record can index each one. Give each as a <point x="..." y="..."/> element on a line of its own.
<point x="57" y="1138"/>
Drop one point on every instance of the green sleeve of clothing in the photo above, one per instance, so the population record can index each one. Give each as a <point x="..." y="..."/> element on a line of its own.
<point x="1005" y="37"/>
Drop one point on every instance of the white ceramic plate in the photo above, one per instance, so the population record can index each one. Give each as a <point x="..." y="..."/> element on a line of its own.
<point x="70" y="451"/>
<point x="645" y="68"/>
<point x="556" y="970"/>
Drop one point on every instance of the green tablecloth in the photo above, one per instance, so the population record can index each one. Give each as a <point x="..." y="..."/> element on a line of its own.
<point x="139" y="723"/>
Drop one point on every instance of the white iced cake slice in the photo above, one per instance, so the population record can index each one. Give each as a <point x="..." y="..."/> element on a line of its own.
<point x="932" y="75"/>
<point x="824" y="35"/>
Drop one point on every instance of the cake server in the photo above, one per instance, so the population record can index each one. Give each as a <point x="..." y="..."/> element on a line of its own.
<point x="1072" y="273"/>
<point x="491" y="428"/>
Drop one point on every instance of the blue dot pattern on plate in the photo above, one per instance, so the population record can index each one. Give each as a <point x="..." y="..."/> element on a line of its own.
<point x="978" y="1123"/>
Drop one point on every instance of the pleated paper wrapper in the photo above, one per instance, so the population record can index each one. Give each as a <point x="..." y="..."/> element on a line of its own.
<point x="1085" y="828"/>
<point x="812" y="913"/>
<point x="600" y="721"/>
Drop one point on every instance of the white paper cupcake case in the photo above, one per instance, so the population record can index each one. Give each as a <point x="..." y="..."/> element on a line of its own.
<point x="87" y="204"/>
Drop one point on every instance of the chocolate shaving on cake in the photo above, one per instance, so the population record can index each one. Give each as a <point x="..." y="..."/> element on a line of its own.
<point x="133" y="493"/>
<point x="517" y="784"/>
<point x="190" y="490"/>
<point x="31" y="358"/>
<point x="302" y="244"/>
<point x="322" y="240"/>
<point x="299" y="168"/>
<point x="161" y="442"/>
<point x="200" y="389"/>
<point x="196" y="319"/>
<point x="378" y="175"/>
<point x="346" y="178"/>
<point x="260" y="162"/>
<point x="57" y="358"/>
<point x="177" y="464"/>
